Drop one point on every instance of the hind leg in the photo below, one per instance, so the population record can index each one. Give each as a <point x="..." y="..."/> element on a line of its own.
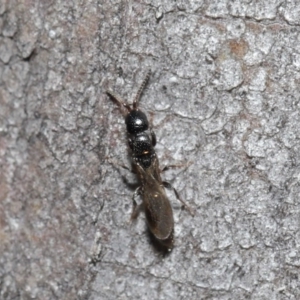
<point x="169" y="186"/>
<point x="136" y="208"/>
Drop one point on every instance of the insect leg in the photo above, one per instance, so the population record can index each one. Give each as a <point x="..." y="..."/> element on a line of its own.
<point x="181" y="165"/>
<point x="169" y="186"/>
<point x="136" y="208"/>
<point x="120" y="165"/>
<point x="153" y="137"/>
<point x="140" y="90"/>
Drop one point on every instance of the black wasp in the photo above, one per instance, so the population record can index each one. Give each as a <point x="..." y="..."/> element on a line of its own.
<point x="142" y="140"/>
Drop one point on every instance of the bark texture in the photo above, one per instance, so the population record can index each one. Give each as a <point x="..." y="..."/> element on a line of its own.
<point x="224" y="101"/>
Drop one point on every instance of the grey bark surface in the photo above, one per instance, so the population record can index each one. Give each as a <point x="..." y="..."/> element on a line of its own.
<point x="224" y="101"/>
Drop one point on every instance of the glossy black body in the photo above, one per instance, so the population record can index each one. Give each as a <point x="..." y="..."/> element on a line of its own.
<point x="136" y="121"/>
<point x="141" y="139"/>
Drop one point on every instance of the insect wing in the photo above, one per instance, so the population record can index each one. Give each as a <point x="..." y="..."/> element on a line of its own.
<point x="158" y="211"/>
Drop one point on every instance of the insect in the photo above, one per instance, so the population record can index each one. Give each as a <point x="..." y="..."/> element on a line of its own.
<point x="142" y="140"/>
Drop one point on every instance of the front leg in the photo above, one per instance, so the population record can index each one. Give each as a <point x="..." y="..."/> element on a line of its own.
<point x="118" y="165"/>
<point x="153" y="137"/>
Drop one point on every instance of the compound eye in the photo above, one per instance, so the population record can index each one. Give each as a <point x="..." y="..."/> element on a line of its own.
<point x="136" y="122"/>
